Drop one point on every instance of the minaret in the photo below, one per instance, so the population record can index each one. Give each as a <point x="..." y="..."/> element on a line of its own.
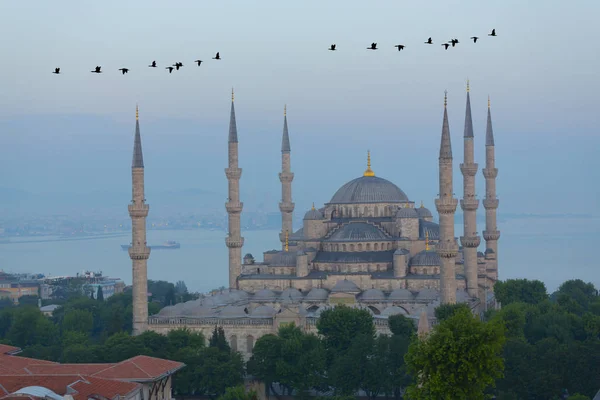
<point x="491" y="234"/>
<point x="139" y="252"/>
<point x="446" y="207"/>
<point x="469" y="204"/>
<point x="234" y="240"/>
<point x="286" y="177"/>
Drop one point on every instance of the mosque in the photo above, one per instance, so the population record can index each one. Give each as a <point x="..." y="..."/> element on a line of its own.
<point x="369" y="247"/>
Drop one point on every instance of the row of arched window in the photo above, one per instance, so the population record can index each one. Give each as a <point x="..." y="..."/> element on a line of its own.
<point x="233" y="342"/>
<point x="358" y="247"/>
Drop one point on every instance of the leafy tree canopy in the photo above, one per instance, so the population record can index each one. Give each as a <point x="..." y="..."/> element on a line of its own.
<point x="520" y="290"/>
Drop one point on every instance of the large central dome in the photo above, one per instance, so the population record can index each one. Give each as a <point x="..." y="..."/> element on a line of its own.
<point x="369" y="189"/>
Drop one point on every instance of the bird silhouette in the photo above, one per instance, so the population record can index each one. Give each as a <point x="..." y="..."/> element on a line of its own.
<point x="177" y="65"/>
<point x="474" y="39"/>
<point x="332" y="47"/>
<point x="217" y="57"/>
<point x="400" y="47"/>
<point x="199" y="62"/>
<point x="454" y="42"/>
<point x="124" y="70"/>
<point x="56" y="71"/>
<point x="493" y="33"/>
<point x="446" y="45"/>
<point x="170" y="69"/>
<point x="153" y="65"/>
<point x="373" y="46"/>
<point x="429" y="41"/>
<point x="97" y="70"/>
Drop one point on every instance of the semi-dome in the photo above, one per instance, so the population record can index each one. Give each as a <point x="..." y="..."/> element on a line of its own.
<point x="401" y="294"/>
<point x="291" y="294"/>
<point x="373" y="295"/>
<point x="407" y="212"/>
<point x="264" y="295"/>
<point x="358" y="231"/>
<point x="423" y="212"/>
<point x="345" y="286"/>
<point x="393" y="310"/>
<point x="317" y="294"/>
<point x="233" y="312"/>
<point x="284" y="259"/>
<point x="202" y="312"/>
<point x="313" y="214"/>
<point x="369" y="189"/>
<point x="263" y="312"/>
<point x="426" y="258"/>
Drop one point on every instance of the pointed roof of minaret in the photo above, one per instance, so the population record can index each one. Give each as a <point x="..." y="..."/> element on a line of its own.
<point x="285" y="141"/>
<point x="489" y="132"/>
<point x="468" y="120"/>
<point x="232" y="125"/>
<point x="445" y="145"/>
<point x="138" y="157"/>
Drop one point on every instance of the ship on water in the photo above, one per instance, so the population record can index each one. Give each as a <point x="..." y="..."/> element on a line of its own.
<point x="168" y="245"/>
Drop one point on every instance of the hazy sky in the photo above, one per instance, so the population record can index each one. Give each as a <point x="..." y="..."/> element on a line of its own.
<point x="73" y="132"/>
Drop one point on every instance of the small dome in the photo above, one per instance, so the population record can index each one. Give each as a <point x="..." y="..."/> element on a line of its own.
<point x="264" y="295"/>
<point x="263" y="312"/>
<point x="358" y="231"/>
<point x="393" y="310"/>
<point x="313" y="214"/>
<point x="426" y="258"/>
<point x="291" y="294"/>
<point x="190" y="306"/>
<point x="200" y="312"/>
<point x="221" y="299"/>
<point x="345" y="286"/>
<point x="423" y="212"/>
<point x="238" y="295"/>
<point x="317" y="294"/>
<point x="406" y="212"/>
<point x="233" y="312"/>
<point x="401" y="294"/>
<point x="369" y="189"/>
<point x="427" y="294"/>
<point x="401" y="252"/>
<point x="172" y="311"/>
<point x="165" y="312"/>
<point x="284" y="259"/>
<point x="373" y="295"/>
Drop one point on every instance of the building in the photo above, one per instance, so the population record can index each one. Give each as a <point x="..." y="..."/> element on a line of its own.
<point x="370" y="246"/>
<point x="138" y="378"/>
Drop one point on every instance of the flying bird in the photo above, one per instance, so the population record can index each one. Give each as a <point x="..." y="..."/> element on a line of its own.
<point x="177" y="65"/>
<point x="446" y="45"/>
<point x="217" y="57"/>
<point x="429" y="41"/>
<point x="170" y="69"/>
<point x="474" y="39"/>
<point x="332" y="47"/>
<point x="124" y="70"/>
<point x="97" y="70"/>
<point x="56" y="71"/>
<point x="199" y="62"/>
<point x="493" y="33"/>
<point x="400" y="47"/>
<point x="453" y="42"/>
<point x="373" y="46"/>
<point x="153" y="65"/>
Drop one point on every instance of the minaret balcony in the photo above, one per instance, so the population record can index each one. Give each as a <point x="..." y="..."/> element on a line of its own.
<point x="469" y="169"/>
<point x="234" y="207"/>
<point x="446" y="205"/>
<point x="490" y="204"/>
<point x="139" y="253"/>
<point x="286" y="177"/>
<point x="233" y="173"/>
<point x="138" y="210"/>
<point x="491" y="235"/>
<point x="470" y="241"/>
<point x="447" y="249"/>
<point x="232" y="242"/>
<point x="286" y="207"/>
<point x="469" y="204"/>
<point x="490" y="173"/>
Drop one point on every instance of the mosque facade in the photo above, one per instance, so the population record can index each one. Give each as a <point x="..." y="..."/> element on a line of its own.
<point x="370" y="247"/>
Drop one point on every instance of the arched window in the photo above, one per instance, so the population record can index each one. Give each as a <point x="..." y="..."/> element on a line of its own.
<point x="233" y="342"/>
<point x="376" y="246"/>
<point x="375" y="310"/>
<point x="376" y="211"/>
<point x="249" y="344"/>
<point x="343" y="247"/>
<point x="351" y="247"/>
<point x="368" y="246"/>
<point x="360" y="247"/>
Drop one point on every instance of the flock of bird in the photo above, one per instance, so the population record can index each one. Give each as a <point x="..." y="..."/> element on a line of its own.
<point x="333" y="47"/>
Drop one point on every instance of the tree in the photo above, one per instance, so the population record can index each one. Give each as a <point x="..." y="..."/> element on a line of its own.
<point x="263" y="362"/>
<point x="238" y="393"/>
<point x="520" y="290"/>
<point x="445" y="311"/>
<point x="28" y="300"/>
<point x="459" y="359"/>
<point x="340" y="325"/>
<point x="219" y="340"/>
<point x="576" y="296"/>
<point x="181" y="288"/>
<point x="100" y="294"/>
<point x="401" y="325"/>
<point x="78" y="321"/>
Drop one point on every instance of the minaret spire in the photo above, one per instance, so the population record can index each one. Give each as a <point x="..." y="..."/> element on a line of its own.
<point x="234" y="239"/>
<point x="139" y="252"/>
<point x="446" y="207"/>
<point x="491" y="234"/>
<point x="469" y="204"/>
<point x="286" y="176"/>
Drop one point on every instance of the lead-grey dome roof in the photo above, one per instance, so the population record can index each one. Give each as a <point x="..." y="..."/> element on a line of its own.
<point x="265" y="295"/>
<point x="426" y="258"/>
<point x="401" y="294"/>
<point x="284" y="259"/>
<point x="263" y="312"/>
<point x="291" y="294"/>
<point x="358" y="231"/>
<point x="424" y="212"/>
<point x="313" y="214"/>
<point x="407" y="212"/>
<point x="233" y="312"/>
<point x="428" y="294"/>
<point x="317" y="294"/>
<point x="373" y="295"/>
<point x="345" y="286"/>
<point x="369" y="189"/>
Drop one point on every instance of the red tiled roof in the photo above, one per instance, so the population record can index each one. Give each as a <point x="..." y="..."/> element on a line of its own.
<point x="140" y="368"/>
<point x="104" y="387"/>
<point x="58" y="384"/>
<point x="6" y="349"/>
<point x="20" y="397"/>
<point x="18" y="364"/>
<point x="67" y="369"/>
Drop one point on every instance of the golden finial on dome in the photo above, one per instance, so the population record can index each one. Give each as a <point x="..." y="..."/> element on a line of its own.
<point x="284" y="110"/>
<point x="422" y="206"/>
<point x="137" y="113"/>
<point x="286" y="241"/>
<point x="369" y="171"/>
<point x="488" y="101"/>
<point x="468" y="85"/>
<point x="427" y="240"/>
<point x="313" y="206"/>
<point x="445" y="98"/>
<point x="232" y="95"/>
